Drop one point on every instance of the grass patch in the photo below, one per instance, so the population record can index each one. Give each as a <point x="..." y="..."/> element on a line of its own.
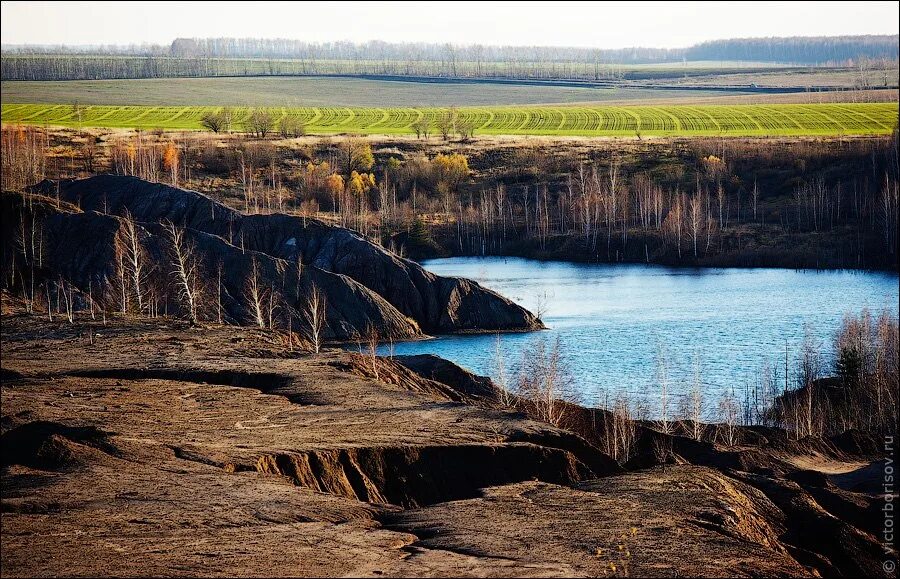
<point x="576" y="120"/>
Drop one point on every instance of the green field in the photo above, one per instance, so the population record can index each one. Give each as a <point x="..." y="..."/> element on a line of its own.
<point x="585" y="120"/>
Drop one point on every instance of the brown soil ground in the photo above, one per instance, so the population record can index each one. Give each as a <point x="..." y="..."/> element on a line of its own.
<point x="166" y="449"/>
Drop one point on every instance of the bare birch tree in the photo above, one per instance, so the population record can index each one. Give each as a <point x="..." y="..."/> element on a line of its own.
<point x="184" y="270"/>
<point x="545" y="382"/>
<point x="133" y="259"/>
<point x="694" y="402"/>
<point x="314" y="310"/>
<point x="728" y="416"/>
<point x="256" y="295"/>
<point x="219" y="270"/>
<point x="662" y="380"/>
<point x="620" y="430"/>
<point x="501" y="378"/>
<point x="371" y="337"/>
<point x="696" y="218"/>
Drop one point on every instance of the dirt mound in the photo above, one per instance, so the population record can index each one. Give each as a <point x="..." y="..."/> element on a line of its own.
<point x="437" y="304"/>
<point x="53" y="446"/>
<point x="427" y="374"/>
<point x="820" y="526"/>
<point x="85" y="249"/>
<point x="451" y="375"/>
<point x="675" y="522"/>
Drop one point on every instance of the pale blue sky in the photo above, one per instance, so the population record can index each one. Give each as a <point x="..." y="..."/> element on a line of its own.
<point x="594" y="24"/>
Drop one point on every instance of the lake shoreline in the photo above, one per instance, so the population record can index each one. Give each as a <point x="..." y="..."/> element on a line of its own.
<point x="619" y="319"/>
<point x="718" y="263"/>
<point x="745" y="250"/>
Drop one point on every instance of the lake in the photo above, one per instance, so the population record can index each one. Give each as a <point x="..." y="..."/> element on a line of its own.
<point x="612" y="320"/>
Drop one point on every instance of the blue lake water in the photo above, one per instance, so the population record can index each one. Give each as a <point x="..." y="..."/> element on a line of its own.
<point x="612" y="320"/>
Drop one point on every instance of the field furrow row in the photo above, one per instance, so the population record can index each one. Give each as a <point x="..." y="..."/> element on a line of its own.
<point x="593" y="120"/>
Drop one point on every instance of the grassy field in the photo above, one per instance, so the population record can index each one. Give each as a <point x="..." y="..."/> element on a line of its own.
<point x="593" y="120"/>
<point x="327" y="91"/>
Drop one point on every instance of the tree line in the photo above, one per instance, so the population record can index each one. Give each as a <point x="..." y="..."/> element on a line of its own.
<point x="798" y="49"/>
<point x="256" y="56"/>
<point x="791" y="49"/>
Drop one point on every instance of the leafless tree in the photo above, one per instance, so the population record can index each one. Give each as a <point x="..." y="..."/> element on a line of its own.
<point x="91" y="298"/>
<point x="32" y="254"/>
<point x="662" y="448"/>
<point x="68" y="298"/>
<point x="545" y="382"/>
<point x="214" y="121"/>
<point x="612" y="198"/>
<point x="675" y="219"/>
<point x="227" y="118"/>
<point x="729" y="412"/>
<point x="542" y="304"/>
<point x="620" y="429"/>
<point x="889" y="205"/>
<point x="422" y="127"/>
<point x="260" y="122"/>
<point x="446" y="123"/>
<point x="77" y="112"/>
<point x="501" y="378"/>
<point x="49" y="302"/>
<point x="696" y="218"/>
<point x="256" y="294"/>
<point x="315" y="304"/>
<point x="693" y="410"/>
<point x="371" y="337"/>
<point x="217" y="57"/>
<point x="805" y="418"/>
<point x="720" y="197"/>
<point x="219" y="270"/>
<point x="662" y="380"/>
<point x="272" y="308"/>
<point x="755" y="196"/>
<point x="291" y="126"/>
<point x="134" y="256"/>
<point x="184" y="269"/>
<point x="465" y="128"/>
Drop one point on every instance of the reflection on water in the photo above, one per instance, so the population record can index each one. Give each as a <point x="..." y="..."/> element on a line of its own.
<point x="611" y="319"/>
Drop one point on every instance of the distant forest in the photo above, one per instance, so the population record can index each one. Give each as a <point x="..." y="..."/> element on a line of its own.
<point x="254" y="56"/>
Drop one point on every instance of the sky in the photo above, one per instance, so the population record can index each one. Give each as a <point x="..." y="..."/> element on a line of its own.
<point x="586" y="24"/>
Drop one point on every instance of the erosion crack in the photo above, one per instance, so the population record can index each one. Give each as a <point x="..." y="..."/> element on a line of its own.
<point x="412" y="476"/>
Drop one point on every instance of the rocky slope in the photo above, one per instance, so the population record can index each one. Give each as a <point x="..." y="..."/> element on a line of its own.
<point x="84" y="250"/>
<point x="437" y="304"/>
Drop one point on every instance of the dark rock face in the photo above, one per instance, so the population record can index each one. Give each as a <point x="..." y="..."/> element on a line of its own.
<point x="364" y="283"/>
<point x="84" y="249"/>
